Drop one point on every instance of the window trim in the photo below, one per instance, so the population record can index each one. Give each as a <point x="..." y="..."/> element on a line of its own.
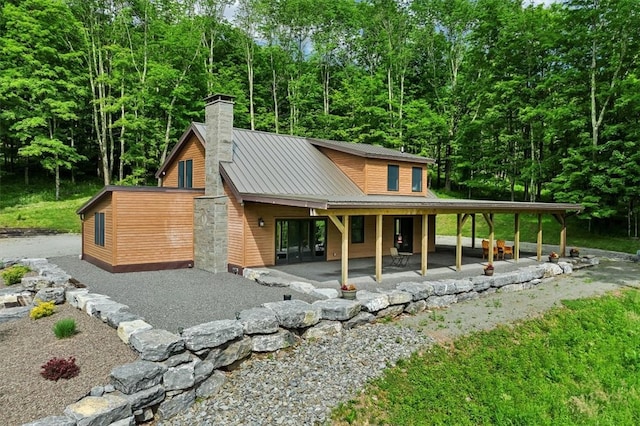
<point x="413" y="179"/>
<point x="391" y="185"/>
<point x="357" y="234"/>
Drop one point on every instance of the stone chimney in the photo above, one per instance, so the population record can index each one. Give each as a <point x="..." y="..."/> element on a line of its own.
<point x="210" y="215"/>
<point x="219" y="124"/>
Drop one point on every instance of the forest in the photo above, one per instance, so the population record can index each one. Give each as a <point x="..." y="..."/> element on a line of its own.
<point x="513" y="99"/>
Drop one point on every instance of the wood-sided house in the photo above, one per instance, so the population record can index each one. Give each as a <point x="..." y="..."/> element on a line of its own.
<point x="233" y="198"/>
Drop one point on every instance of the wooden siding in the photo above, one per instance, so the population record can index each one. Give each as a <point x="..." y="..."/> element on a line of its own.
<point x="153" y="227"/>
<point x="376" y="176"/>
<point x="235" y="226"/>
<point x="89" y="247"/>
<point x="192" y="150"/>
<point x="351" y="165"/>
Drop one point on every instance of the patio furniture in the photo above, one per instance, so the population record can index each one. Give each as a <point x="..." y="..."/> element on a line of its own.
<point x="503" y="249"/>
<point x="399" y="258"/>
<point x="485" y="249"/>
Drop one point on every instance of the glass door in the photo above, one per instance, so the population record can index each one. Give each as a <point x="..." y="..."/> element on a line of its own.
<point x="300" y="240"/>
<point x="403" y="234"/>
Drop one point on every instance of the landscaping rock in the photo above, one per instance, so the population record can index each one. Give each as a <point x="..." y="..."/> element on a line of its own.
<point x="258" y="321"/>
<point x="103" y="410"/>
<point x="115" y="318"/>
<point x="127" y="328"/>
<point x="180" y="377"/>
<point x="322" y="329"/>
<point x="55" y="294"/>
<point x="35" y="283"/>
<point x="129" y="421"/>
<point x="82" y="299"/>
<point x="470" y="295"/>
<point x="441" y="288"/>
<point x="230" y="353"/>
<point x="212" y="385"/>
<point x="272" y="342"/>
<point x="481" y="282"/>
<point x="413" y="308"/>
<point x="136" y="376"/>
<point x="325" y="293"/>
<point x="551" y="270"/>
<point x="176" y="404"/>
<point x="156" y="344"/>
<point x="146" y="397"/>
<point x="338" y="309"/>
<point x="53" y="421"/>
<point x="361" y="318"/>
<point x="500" y="280"/>
<point x="463" y="286"/>
<point x="72" y="296"/>
<point x="10" y="314"/>
<point x="441" y="301"/>
<point x="514" y="287"/>
<point x="396" y="297"/>
<point x="202" y="370"/>
<point x="302" y="287"/>
<point x="372" y="302"/>
<point x="100" y="307"/>
<point x="181" y="358"/>
<point x="295" y="313"/>
<point x="390" y="312"/>
<point x="567" y="268"/>
<point x="270" y="281"/>
<point x="418" y="291"/>
<point x="211" y="334"/>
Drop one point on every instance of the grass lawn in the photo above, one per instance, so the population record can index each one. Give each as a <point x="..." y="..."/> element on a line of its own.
<point x="576" y="365"/>
<point x="34" y="206"/>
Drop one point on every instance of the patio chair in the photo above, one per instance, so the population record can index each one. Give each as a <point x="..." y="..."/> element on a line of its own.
<point x="398" y="259"/>
<point x="503" y="249"/>
<point x="485" y="249"/>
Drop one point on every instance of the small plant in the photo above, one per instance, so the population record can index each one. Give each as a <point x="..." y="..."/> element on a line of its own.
<point x="553" y="255"/>
<point x="574" y="252"/>
<point x="65" y="328"/>
<point x="347" y="287"/>
<point x="488" y="270"/>
<point x="60" y="368"/>
<point x="42" y="309"/>
<point x="13" y="274"/>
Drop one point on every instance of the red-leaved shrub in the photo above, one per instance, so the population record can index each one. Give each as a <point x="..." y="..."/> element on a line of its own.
<point x="60" y="368"/>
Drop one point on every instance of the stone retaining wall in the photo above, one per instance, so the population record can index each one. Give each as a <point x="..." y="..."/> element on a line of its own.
<point x="173" y="370"/>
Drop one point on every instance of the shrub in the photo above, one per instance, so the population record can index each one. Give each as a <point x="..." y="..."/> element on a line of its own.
<point x="13" y="274"/>
<point x="43" y="309"/>
<point x="65" y="328"/>
<point x="60" y="368"/>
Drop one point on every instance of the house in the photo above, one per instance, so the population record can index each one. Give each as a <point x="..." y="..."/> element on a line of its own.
<point x="233" y="198"/>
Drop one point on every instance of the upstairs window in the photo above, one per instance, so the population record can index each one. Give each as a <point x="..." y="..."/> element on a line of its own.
<point x="416" y="179"/>
<point x="185" y="174"/>
<point x="98" y="230"/>
<point x="393" y="178"/>
<point x="357" y="229"/>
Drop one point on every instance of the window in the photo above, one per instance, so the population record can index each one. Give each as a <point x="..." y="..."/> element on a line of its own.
<point x="185" y="174"/>
<point x="393" y="177"/>
<point x="357" y="229"/>
<point x="99" y="229"/>
<point x="416" y="179"/>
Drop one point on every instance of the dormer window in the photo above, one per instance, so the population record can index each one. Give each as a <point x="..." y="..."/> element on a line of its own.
<point x="185" y="174"/>
<point x="393" y="177"/>
<point x="416" y="179"/>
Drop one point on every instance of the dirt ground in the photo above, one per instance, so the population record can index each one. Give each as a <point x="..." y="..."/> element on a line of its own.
<point x="499" y="308"/>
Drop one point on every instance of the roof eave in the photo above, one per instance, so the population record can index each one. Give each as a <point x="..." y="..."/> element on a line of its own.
<point x="185" y="136"/>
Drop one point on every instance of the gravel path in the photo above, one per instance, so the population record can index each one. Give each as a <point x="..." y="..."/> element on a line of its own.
<point x="179" y="298"/>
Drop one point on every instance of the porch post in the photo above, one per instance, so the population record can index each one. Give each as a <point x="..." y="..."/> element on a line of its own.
<point x="379" y="248"/>
<point x="489" y="219"/>
<point x="473" y="230"/>
<point x="539" y="241"/>
<point x="345" y="250"/>
<point x="459" y="243"/>
<point x="425" y="244"/>
<point x="516" y="237"/>
<point x="561" y="218"/>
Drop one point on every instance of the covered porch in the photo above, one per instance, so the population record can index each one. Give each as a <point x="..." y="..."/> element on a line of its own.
<point x="466" y="211"/>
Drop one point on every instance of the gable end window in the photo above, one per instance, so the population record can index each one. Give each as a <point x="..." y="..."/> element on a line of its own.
<point x="185" y="174"/>
<point x="357" y="229"/>
<point x="393" y="177"/>
<point x="98" y="225"/>
<point x="416" y="179"/>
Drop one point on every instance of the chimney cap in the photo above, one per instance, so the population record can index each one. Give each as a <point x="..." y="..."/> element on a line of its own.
<point x="218" y="97"/>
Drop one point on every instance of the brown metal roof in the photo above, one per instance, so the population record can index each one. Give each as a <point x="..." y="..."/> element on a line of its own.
<point x="370" y="151"/>
<point x="267" y="163"/>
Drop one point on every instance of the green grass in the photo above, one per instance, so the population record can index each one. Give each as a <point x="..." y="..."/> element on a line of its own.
<point x="65" y="328"/>
<point x="34" y="206"/>
<point x="578" y="365"/>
